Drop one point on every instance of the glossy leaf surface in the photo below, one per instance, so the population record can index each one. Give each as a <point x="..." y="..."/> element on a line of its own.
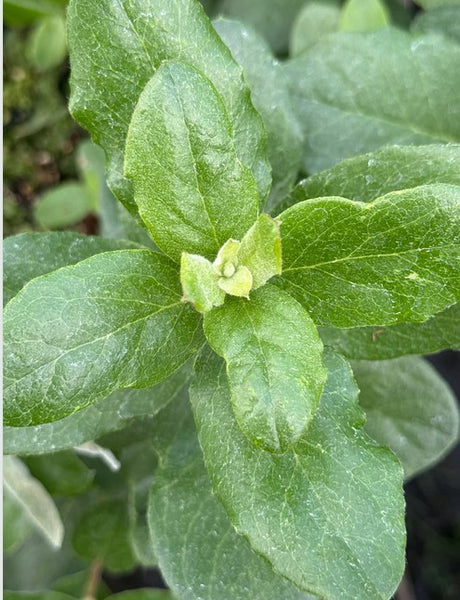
<point x="112" y="321"/>
<point x="328" y="512"/>
<point x="274" y="364"/>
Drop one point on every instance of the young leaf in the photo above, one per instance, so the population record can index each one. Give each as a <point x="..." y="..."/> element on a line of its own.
<point x="274" y="364"/>
<point x="61" y="473"/>
<point x="16" y="527"/>
<point x="101" y="533"/>
<point x="200" y="282"/>
<point x="110" y="414"/>
<point x="137" y="36"/>
<point x="184" y="515"/>
<point x="392" y="260"/>
<point x="364" y="15"/>
<point x="114" y="320"/>
<point x="409" y="408"/>
<point x="62" y="206"/>
<point x="342" y="117"/>
<point x="375" y="174"/>
<point x="444" y="20"/>
<point x="314" y="22"/>
<point x="328" y="515"/>
<point x="29" y="255"/>
<point x="271" y="98"/>
<point x="377" y="343"/>
<point x="260" y="250"/>
<point x="191" y="189"/>
<point x="37" y="505"/>
<point x="47" y="47"/>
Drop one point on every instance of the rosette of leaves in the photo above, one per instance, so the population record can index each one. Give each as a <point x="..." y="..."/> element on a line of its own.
<point x="270" y="475"/>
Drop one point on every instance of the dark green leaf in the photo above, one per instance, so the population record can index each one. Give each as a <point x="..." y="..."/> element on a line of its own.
<point x="376" y="343"/>
<point x="29" y="255"/>
<point x="62" y="473"/>
<point x="200" y="554"/>
<point x="393" y="260"/>
<point x="270" y="96"/>
<point x="74" y="336"/>
<point x="409" y="408"/>
<point x="274" y="364"/>
<point x="191" y="189"/>
<point x="375" y="174"/>
<point x="329" y="515"/>
<point x="340" y="90"/>
<point x="23" y="12"/>
<point x="111" y="414"/>
<point x="136" y="37"/>
<point x="102" y="533"/>
<point x="444" y="20"/>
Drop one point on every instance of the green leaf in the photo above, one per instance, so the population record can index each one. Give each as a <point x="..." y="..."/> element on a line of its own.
<point x="138" y="36"/>
<point x="340" y="94"/>
<point x="239" y="284"/>
<point x="364" y="15"/>
<point x="29" y="255"/>
<point x="45" y="595"/>
<point x="37" y="505"/>
<point x="63" y="206"/>
<point x="271" y="18"/>
<point x="23" y="12"/>
<point x="444" y="20"/>
<point x="260" y="250"/>
<point x="392" y="260"/>
<point x="200" y="282"/>
<point x="110" y="414"/>
<point x="274" y="364"/>
<point x="16" y="527"/>
<point x="410" y="408"/>
<point x="328" y="515"/>
<point x="314" y="22"/>
<point x="74" y="336"/>
<point x="270" y="96"/>
<point x="61" y="473"/>
<point x="191" y="189"/>
<point x="47" y="46"/>
<point x="185" y="516"/>
<point x="429" y="4"/>
<point x="375" y="174"/>
<point x="142" y="594"/>
<point x="377" y="343"/>
<point x="102" y="534"/>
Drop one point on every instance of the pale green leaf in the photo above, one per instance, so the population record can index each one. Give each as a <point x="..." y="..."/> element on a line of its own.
<point x="16" y="527"/>
<point x="314" y="22"/>
<point x="62" y="206"/>
<point x="238" y="284"/>
<point x="441" y="332"/>
<point x="274" y="363"/>
<point x="200" y="282"/>
<point x="101" y="533"/>
<point x="191" y="189"/>
<point x="271" y="18"/>
<point x="114" y="320"/>
<point x="393" y="260"/>
<point x="410" y="408"/>
<point x="61" y="473"/>
<point x="354" y="93"/>
<point x="37" y="505"/>
<point x="115" y="48"/>
<point x="271" y="98"/>
<point x="110" y="414"/>
<point x="444" y="20"/>
<point x="260" y="250"/>
<point x="375" y="174"/>
<point x="47" y="46"/>
<point x="200" y="554"/>
<point x="364" y="15"/>
<point x="29" y="255"/>
<point x="328" y="515"/>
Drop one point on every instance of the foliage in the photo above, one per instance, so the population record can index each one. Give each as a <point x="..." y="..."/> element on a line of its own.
<point x="177" y="390"/>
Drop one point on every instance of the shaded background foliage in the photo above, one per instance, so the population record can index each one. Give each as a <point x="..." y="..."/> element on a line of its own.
<point x="43" y="151"/>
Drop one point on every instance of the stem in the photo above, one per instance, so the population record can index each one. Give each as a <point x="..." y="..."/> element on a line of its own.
<point x="93" y="581"/>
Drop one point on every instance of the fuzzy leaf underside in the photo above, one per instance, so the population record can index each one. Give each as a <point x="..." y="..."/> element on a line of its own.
<point x="328" y="515"/>
<point x="393" y="260"/>
<point x="114" y="320"/>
